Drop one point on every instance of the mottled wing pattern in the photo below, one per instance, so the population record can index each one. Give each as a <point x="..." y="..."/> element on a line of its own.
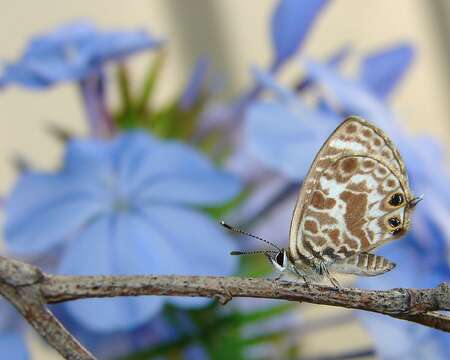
<point x="353" y="198"/>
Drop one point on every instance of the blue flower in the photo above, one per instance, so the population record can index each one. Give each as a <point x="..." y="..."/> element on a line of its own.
<point x="382" y="70"/>
<point x="193" y="90"/>
<point x="120" y="343"/>
<point x="291" y="22"/>
<point x="72" y="52"/>
<point x="124" y="206"/>
<point x="12" y="335"/>
<point x="285" y="134"/>
<point x="395" y="339"/>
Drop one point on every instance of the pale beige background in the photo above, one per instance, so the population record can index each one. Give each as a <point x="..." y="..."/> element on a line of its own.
<point x="236" y="34"/>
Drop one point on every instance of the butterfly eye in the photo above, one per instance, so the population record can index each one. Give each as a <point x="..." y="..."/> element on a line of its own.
<point x="396" y="200"/>
<point x="280" y="258"/>
<point x="394" y="222"/>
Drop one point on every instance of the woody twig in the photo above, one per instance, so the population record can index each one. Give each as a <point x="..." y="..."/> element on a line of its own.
<point x="30" y="290"/>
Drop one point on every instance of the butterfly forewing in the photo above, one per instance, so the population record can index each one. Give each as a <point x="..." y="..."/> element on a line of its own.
<point x="353" y="198"/>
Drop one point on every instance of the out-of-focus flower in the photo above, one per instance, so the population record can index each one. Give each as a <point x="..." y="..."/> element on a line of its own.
<point x="396" y="339"/>
<point x="119" y="343"/>
<point x="195" y="84"/>
<point x="381" y="71"/>
<point x="291" y="22"/>
<point x="285" y="134"/>
<point x="72" y="52"/>
<point x="12" y="336"/>
<point x="125" y="206"/>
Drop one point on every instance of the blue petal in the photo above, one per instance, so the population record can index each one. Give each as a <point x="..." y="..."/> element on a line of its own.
<point x="339" y="56"/>
<point x="118" y="44"/>
<point x="286" y="138"/>
<point x="381" y="71"/>
<point x="195" y="84"/>
<point x="353" y="98"/>
<point x="290" y="25"/>
<point x="117" y="344"/>
<point x="22" y="73"/>
<point x="396" y="339"/>
<point x="72" y="52"/>
<point x="200" y="246"/>
<point x="175" y="172"/>
<point x="87" y="157"/>
<point x="130" y="150"/>
<point x="92" y="157"/>
<point x="13" y="345"/>
<point x="46" y="209"/>
<point x="116" y="246"/>
<point x="268" y="81"/>
<point x="74" y="32"/>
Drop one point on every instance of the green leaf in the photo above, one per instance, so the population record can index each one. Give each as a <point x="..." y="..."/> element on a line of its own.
<point x="151" y="78"/>
<point x="221" y="335"/>
<point x="219" y="212"/>
<point x="162" y="123"/>
<point x="123" y="81"/>
<point x="254" y="266"/>
<point x="127" y="119"/>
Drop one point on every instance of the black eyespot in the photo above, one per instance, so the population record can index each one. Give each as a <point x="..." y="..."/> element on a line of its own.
<point x="397" y="231"/>
<point x="396" y="200"/>
<point x="394" y="222"/>
<point x="280" y="258"/>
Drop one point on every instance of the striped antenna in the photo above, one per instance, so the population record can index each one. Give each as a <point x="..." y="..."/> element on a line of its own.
<point x="253" y="252"/>
<point x="239" y="231"/>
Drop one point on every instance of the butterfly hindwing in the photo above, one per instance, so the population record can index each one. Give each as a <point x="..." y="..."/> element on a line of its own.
<point x="353" y="198"/>
<point x="365" y="264"/>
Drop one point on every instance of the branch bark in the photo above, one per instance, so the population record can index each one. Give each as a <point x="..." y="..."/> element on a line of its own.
<point x="29" y="290"/>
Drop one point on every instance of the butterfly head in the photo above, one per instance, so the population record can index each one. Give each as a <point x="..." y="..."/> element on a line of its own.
<point x="278" y="259"/>
<point x="413" y="202"/>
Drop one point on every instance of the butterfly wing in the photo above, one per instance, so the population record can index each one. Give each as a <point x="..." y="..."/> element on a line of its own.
<point x="354" y="196"/>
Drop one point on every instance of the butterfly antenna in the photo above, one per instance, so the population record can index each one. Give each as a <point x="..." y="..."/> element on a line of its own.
<point x="239" y="231"/>
<point x="253" y="252"/>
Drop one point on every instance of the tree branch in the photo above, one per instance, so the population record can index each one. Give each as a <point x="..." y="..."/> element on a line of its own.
<point x="20" y="284"/>
<point x="24" y="284"/>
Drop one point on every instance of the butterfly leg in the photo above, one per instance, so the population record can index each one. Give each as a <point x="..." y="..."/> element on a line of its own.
<point x="305" y="279"/>
<point x="323" y="269"/>
<point x="275" y="277"/>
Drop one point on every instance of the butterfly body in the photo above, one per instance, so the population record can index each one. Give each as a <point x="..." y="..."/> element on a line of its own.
<point x="316" y="270"/>
<point x="355" y="198"/>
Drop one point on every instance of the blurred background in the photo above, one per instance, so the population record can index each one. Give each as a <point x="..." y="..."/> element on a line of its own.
<point x="234" y="34"/>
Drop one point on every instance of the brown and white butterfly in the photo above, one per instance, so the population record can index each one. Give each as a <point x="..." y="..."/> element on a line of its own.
<point x="355" y="198"/>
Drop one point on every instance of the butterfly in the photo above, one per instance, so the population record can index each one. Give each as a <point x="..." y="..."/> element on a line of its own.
<point x="355" y="198"/>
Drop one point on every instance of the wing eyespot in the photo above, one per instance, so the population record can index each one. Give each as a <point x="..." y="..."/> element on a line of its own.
<point x="398" y="231"/>
<point x="396" y="200"/>
<point x="394" y="222"/>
